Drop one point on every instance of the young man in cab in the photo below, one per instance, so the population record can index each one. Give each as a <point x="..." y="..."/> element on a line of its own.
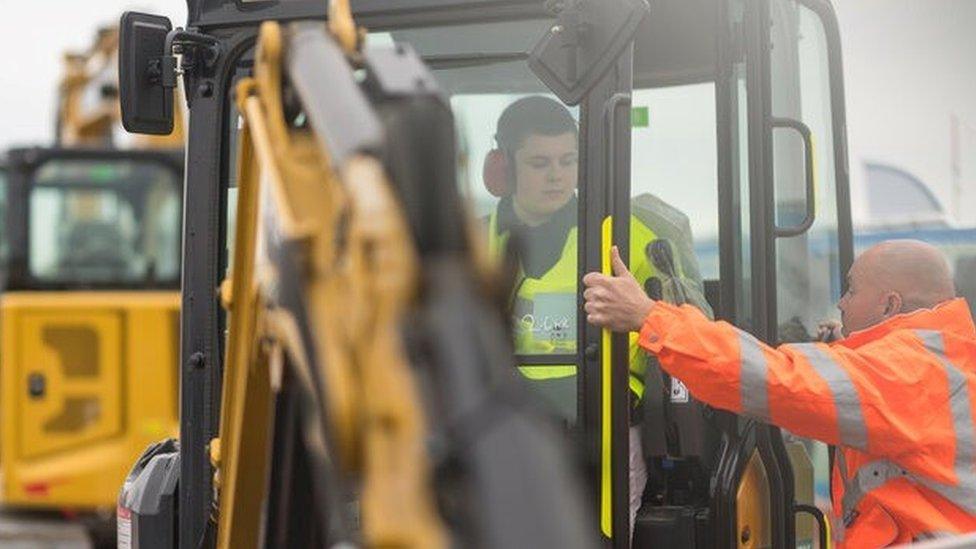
<point x="534" y="171"/>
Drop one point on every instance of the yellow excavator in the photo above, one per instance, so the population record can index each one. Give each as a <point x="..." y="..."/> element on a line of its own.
<point x="89" y="314"/>
<point x="348" y="374"/>
<point x="88" y="111"/>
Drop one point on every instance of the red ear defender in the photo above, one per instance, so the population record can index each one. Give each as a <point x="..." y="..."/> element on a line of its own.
<point x="495" y="173"/>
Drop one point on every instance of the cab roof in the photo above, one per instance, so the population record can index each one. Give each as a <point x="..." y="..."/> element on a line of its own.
<point x="210" y="13"/>
<point x="675" y="44"/>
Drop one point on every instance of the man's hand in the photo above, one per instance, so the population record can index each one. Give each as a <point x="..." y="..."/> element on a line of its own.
<point x="829" y="331"/>
<point x="616" y="302"/>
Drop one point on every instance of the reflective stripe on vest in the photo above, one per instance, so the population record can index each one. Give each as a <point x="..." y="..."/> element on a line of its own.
<point x="539" y="373"/>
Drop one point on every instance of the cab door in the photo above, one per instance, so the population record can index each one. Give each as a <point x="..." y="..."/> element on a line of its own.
<point x="486" y="67"/>
<point x="737" y="123"/>
<point x="69" y="369"/>
<point x="802" y="227"/>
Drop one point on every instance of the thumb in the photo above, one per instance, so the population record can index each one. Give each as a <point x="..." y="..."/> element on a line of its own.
<point x="619" y="268"/>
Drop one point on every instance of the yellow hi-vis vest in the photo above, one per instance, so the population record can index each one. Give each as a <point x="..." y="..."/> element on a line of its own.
<point x="544" y="316"/>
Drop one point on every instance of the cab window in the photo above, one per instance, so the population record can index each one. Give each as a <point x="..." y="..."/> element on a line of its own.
<point x="518" y="165"/>
<point x="4" y="244"/>
<point x="808" y="262"/>
<point x="674" y="174"/>
<point x="104" y="222"/>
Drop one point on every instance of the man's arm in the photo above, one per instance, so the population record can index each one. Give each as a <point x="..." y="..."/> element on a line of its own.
<point x="890" y="398"/>
<point x="730" y="369"/>
<point x="851" y="397"/>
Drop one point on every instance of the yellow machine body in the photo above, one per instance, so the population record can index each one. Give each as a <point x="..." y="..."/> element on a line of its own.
<point x="89" y="379"/>
<point x="753" y="521"/>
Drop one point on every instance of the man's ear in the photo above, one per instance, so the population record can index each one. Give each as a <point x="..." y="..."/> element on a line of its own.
<point x="893" y="304"/>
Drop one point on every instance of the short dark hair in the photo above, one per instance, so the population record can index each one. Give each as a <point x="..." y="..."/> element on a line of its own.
<point x="533" y="115"/>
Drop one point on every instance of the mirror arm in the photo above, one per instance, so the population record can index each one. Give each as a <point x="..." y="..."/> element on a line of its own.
<point x="193" y="47"/>
<point x="570" y="28"/>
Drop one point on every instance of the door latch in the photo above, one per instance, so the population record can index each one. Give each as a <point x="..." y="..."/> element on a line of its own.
<point x="36" y="385"/>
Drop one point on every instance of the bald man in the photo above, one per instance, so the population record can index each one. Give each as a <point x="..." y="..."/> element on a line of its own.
<point x="896" y="395"/>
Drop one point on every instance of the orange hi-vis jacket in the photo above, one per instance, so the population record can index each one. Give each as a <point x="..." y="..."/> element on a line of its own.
<point x="897" y="399"/>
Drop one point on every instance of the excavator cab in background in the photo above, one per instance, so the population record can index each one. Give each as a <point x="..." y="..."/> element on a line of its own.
<point x="89" y="315"/>
<point x="728" y="112"/>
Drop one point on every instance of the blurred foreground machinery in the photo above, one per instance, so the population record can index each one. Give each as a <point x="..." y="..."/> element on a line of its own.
<point x="367" y="392"/>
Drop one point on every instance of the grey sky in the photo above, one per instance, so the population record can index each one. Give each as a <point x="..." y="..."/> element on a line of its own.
<point x="34" y="34"/>
<point x="909" y="66"/>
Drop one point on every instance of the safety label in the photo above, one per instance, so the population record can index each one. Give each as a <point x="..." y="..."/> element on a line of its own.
<point x="679" y="393"/>
<point x="123" y="518"/>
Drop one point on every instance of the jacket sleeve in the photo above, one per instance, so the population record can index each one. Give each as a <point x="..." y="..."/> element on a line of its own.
<point x="889" y="399"/>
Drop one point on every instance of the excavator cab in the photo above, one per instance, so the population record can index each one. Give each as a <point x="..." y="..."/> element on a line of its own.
<point x="90" y="314"/>
<point x="715" y="125"/>
<point x="719" y="129"/>
<point x="719" y="126"/>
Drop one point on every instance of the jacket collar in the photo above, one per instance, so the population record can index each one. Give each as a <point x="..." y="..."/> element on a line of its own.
<point x="951" y="316"/>
<point x="562" y="219"/>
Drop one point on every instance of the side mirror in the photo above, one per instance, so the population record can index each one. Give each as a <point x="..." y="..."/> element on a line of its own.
<point x="147" y="106"/>
<point x="585" y="42"/>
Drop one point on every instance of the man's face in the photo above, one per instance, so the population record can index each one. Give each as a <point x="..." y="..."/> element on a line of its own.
<point x="864" y="303"/>
<point x="545" y="173"/>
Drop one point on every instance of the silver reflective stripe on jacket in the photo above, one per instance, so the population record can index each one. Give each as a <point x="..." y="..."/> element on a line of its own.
<point x="753" y="382"/>
<point x="963" y="493"/>
<point x="869" y="477"/>
<point x="850" y="415"/>
<point x="875" y="474"/>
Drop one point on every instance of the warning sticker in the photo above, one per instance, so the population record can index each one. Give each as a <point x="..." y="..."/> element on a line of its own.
<point x="123" y="519"/>
<point x="679" y="393"/>
<point x="640" y="117"/>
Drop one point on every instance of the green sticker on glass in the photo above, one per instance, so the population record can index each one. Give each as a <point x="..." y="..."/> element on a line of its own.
<point x="102" y="172"/>
<point x="640" y="117"/>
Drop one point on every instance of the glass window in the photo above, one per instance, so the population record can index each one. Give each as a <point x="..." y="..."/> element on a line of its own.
<point x="105" y="222"/>
<point x="231" y="189"/>
<point x="808" y="273"/>
<point x="4" y="245"/>
<point x="740" y="173"/>
<point x="808" y="265"/>
<point x="674" y="173"/>
<point x="518" y="165"/>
